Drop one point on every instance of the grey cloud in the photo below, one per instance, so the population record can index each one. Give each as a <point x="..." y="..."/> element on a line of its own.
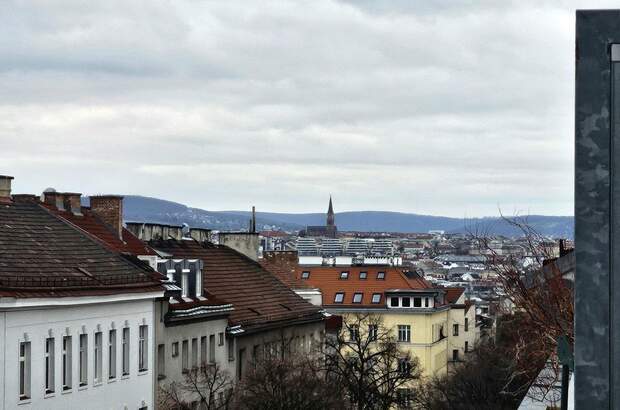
<point x="439" y="107"/>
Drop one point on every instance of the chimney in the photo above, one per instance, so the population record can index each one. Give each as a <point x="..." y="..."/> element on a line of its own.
<point x="55" y="199"/>
<point x="253" y="219"/>
<point x="110" y="209"/>
<point x="71" y="202"/>
<point x="5" y="189"/>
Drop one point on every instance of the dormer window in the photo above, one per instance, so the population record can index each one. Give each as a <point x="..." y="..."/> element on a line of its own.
<point x="406" y="302"/>
<point x="381" y="275"/>
<point x="344" y="275"/>
<point x="394" y="302"/>
<point x="184" y="282"/>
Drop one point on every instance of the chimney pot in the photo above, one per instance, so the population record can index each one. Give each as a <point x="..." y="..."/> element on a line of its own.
<point x="110" y="209"/>
<point x="5" y="189"/>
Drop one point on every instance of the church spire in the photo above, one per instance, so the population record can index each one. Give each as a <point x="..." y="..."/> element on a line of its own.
<point x="330" y="213"/>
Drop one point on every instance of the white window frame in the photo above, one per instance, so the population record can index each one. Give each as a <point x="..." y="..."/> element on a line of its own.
<point x="97" y="357"/>
<point x="67" y="362"/>
<point x="184" y="283"/>
<point x="198" y="283"/>
<point x="143" y="348"/>
<point x="24" y="370"/>
<point x="185" y="356"/>
<point x="83" y="359"/>
<point x="50" y="385"/>
<point x="125" y="342"/>
<point x="404" y="333"/>
<point x="112" y="354"/>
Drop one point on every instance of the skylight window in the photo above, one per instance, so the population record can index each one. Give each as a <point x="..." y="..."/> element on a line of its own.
<point x="344" y="275"/>
<point x="339" y="297"/>
<point x="363" y="275"/>
<point x="357" y="297"/>
<point x="376" y="298"/>
<point x="305" y="274"/>
<point x="381" y="275"/>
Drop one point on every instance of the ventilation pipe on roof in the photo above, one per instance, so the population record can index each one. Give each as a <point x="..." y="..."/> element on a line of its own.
<point x="5" y="189"/>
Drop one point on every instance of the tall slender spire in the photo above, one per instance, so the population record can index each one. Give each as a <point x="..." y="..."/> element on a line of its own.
<point x="330" y="213"/>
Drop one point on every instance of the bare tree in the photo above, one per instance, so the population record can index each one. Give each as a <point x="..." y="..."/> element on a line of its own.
<point x="365" y="360"/>
<point x="207" y="386"/>
<point x="287" y="381"/>
<point x="541" y="300"/>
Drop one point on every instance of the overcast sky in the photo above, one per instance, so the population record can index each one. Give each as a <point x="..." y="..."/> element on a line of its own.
<point x="438" y="107"/>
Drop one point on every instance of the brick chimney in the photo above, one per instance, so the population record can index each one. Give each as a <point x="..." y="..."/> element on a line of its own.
<point x="5" y="189"/>
<point x="55" y="199"/>
<point x="110" y="209"/>
<point x="71" y="202"/>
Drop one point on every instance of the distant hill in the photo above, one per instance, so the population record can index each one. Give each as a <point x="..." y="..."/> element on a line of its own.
<point x="141" y="209"/>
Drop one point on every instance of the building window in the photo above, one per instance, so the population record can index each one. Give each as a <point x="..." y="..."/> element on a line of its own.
<point x="466" y="324"/>
<point x="67" y="363"/>
<point x="98" y="357"/>
<point x="24" y="370"/>
<point x="376" y="298"/>
<point x="466" y="346"/>
<point x="417" y="302"/>
<point x="404" y="333"/>
<point x="405" y="302"/>
<point x="455" y="329"/>
<point x="231" y="349"/>
<point x="198" y="283"/>
<point x="49" y="365"/>
<point x="203" y="350"/>
<point x="161" y="362"/>
<point x="184" y="283"/>
<point x="404" y="366"/>
<point x="194" y="352"/>
<point x="380" y="275"/>
<point x="357" y="297"/>
<point x="405" y="398"/>
<point x="125" y="343"/>
<point x="363" y="275"/>
<point x="344" y="275"/>
<point x="394" y="302"/>
<point x="305" y="274"/>
<point x="220" y="342"/>
<point x="212" y="348"/>
<point x="339" y="297"/>
<point x="175" y="349"/>
<point x="112" y="354"/>
<point x="354" y="332"/>
<point x="143" y="348"/>
<point x="426" y="302"/>
<point x="185" y="356"/>
<point x="455" y="355"/>
<point x="373" y="332"/>
<point x="83" y="359"/>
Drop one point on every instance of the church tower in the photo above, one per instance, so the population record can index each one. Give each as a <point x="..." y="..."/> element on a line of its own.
<point x="330" y="214"/>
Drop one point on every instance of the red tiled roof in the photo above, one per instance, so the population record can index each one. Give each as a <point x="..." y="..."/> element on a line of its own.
<point x="41" y="255"/>
<point x="453" y="294"/>
<point x="327" y="278"/>
<point x="283" y="265"/>
<point x="91" y="223"/>
<point x="258" y="297"/>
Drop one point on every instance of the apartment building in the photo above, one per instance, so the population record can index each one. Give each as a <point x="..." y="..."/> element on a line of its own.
<point x="76" y="318"/>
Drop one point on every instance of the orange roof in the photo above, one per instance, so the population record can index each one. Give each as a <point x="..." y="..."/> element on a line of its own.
<point x="327" y="278"/>
<point x="453" y="294"/>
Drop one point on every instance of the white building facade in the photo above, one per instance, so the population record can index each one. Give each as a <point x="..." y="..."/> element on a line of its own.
<point x="77" y="352"/>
